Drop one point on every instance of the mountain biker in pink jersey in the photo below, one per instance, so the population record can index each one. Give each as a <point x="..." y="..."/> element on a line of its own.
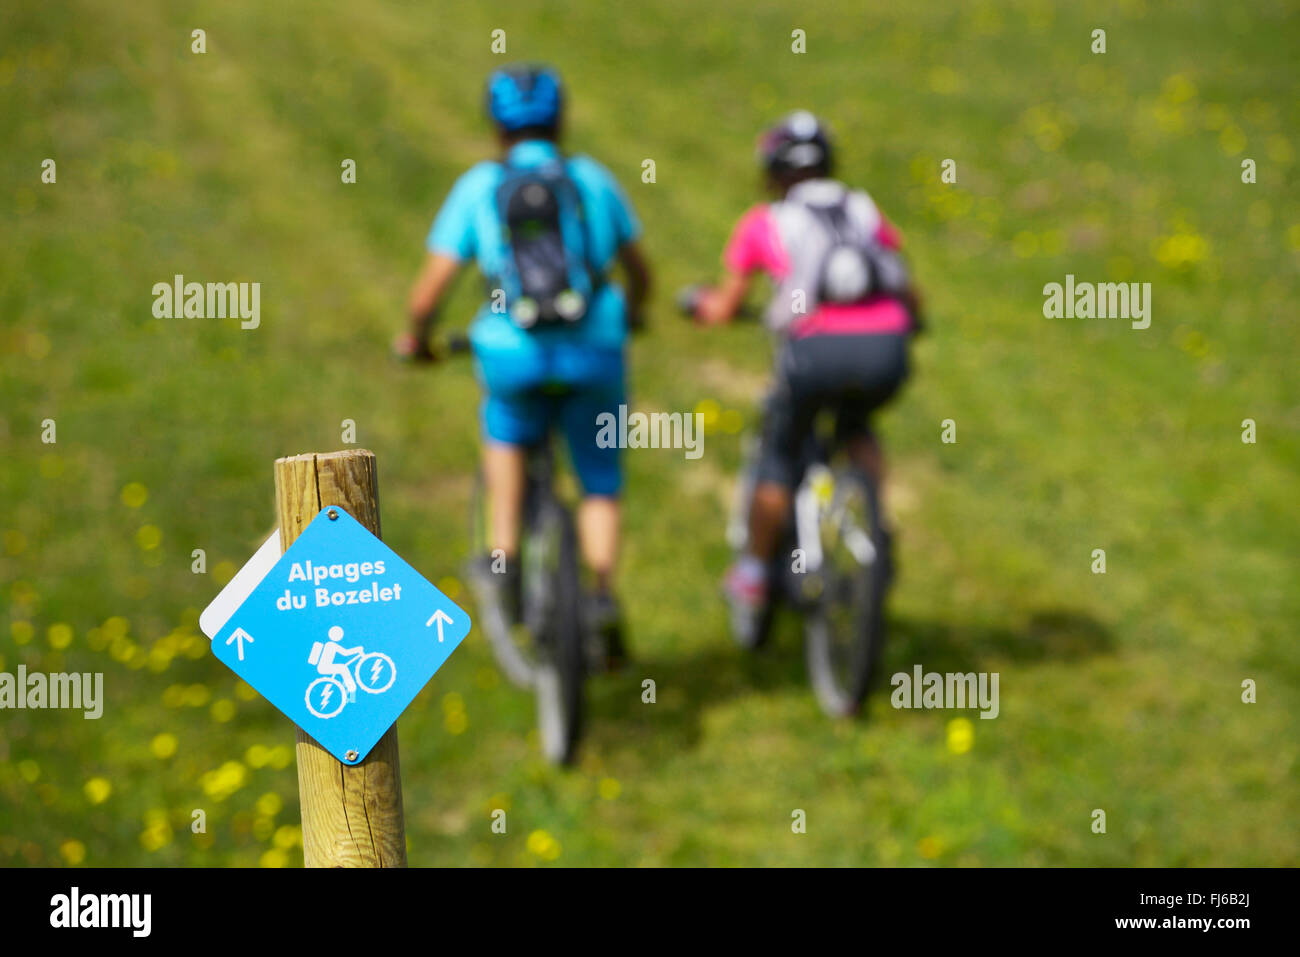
<point x="843" y="311"/>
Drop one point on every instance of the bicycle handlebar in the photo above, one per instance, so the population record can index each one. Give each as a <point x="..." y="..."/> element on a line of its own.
<point x="457" y="344"/>
<point x="688" y="299"/>
<point x="407" y="350"/>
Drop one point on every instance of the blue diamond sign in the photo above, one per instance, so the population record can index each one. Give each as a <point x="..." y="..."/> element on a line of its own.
<point x="339" y="633"/>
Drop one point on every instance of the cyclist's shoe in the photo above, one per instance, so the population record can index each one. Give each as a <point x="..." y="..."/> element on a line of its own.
<point x="605" y="630"/>
<point x="746" y="588"/>
<point x="497" y="586"/>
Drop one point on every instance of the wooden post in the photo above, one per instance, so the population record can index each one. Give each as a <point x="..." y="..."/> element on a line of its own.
<point x="351" y="814"/>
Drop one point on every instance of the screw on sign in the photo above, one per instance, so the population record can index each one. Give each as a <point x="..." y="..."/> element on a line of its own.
<point x="340" y="633"/>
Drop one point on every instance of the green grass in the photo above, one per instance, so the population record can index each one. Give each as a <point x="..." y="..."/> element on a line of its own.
<point x="1119" y="691"/>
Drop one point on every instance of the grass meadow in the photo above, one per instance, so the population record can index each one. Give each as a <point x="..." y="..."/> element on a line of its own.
<point x="1119" y="691"/>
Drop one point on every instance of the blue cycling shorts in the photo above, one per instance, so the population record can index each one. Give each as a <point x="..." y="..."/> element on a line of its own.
<point x="540" y="381"/>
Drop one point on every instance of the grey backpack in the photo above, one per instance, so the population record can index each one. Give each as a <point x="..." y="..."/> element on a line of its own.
<point x="829" y="234"/>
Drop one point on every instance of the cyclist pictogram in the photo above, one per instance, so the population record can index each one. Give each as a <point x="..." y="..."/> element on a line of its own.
<point x="342" y="671"/>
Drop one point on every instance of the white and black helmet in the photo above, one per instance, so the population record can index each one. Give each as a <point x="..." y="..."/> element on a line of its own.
<point x="799" y="143"/>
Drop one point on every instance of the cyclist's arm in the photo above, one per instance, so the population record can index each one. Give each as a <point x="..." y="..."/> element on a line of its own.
<point x="888" y="235"/>
<point x="349" y="652"/>
<point x="749" y="250"/>
<point x="722" y="302"/>
<point x="911" y="300"/>
<point x="638" y="281"/>
<point x="430" y="287"/>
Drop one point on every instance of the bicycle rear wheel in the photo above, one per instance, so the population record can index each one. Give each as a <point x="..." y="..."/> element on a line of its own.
<point x="560" y="668"/>
<point x="844" y="627"/>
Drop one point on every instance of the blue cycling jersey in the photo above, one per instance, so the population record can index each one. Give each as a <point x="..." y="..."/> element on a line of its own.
<point x="469" y="227"/>
<point x="516" y="366"/>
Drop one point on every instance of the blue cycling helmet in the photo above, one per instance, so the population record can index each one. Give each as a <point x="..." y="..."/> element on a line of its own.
<point x="524" y="95"/>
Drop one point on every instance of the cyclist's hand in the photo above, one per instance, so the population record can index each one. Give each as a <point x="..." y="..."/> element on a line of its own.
<point x="696" y="301"/>
<point x="688" y="299"/>
<point x="410" y="348"/>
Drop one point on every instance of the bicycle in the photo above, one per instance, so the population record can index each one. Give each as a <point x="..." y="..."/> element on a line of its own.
<point x="833" y="565"/>
<point x="548" y="650"/>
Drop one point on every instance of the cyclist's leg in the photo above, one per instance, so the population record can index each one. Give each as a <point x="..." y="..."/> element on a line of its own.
<point x="503" y="476"/>
<point x="600" y="472"/>
<point x="597" y="390"/>
<point x="787" y="416"/>
<point x="882" y="361"/>
<point x="511" y="423"/>
<point x="598" y="527"/>
<point x="510" y="365"/>
<point x="341" y="672"/>
<point x="785" y="419"/>
<point x="599" y="468"/>
<point x="875" y="368"/>
<point x="855" y="374"/>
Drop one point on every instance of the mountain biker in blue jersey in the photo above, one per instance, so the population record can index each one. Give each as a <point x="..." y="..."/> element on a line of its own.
<point x="545" y="229"/>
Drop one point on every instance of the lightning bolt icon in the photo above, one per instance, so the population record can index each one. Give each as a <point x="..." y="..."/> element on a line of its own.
<point x="326" y="693"/>
<point x="374" y="672"/>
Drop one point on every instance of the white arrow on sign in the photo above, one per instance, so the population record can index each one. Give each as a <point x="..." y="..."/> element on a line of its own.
<point x="442" y="618"/>
<point x="241" y="636"/>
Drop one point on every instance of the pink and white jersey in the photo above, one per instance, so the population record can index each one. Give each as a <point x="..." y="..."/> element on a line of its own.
<point x="766" y="236"/>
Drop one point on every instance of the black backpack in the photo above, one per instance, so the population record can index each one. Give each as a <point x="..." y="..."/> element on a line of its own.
<point x="547" y="278"/>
